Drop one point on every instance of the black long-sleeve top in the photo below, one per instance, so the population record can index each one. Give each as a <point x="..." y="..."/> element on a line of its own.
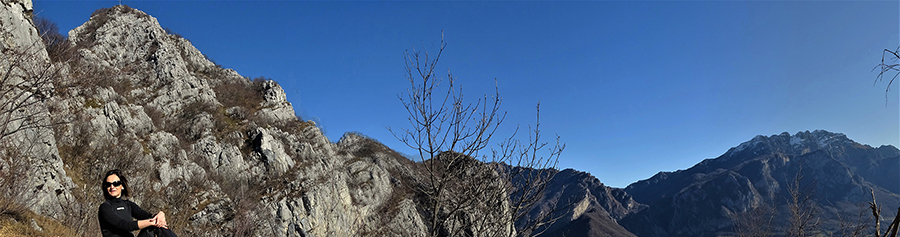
<point x="117" y="217"/>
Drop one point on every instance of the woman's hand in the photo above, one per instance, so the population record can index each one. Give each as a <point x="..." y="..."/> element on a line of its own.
<point x="160" y="220"/>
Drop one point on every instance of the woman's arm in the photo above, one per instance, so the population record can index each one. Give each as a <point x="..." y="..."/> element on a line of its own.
<point x="145" y="223"/>
<point x="137" y="212"/>
<point x="159" y="220"/>
<point x="108" y="214"/>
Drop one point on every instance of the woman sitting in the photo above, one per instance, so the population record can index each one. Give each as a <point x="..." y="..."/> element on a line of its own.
<point x="119" y="217"/>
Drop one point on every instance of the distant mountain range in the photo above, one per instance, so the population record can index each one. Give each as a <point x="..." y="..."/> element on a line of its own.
<point x="840" y="174"/>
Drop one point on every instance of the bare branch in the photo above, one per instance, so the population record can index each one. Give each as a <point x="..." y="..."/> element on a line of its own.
<point x="889" y="63"/>
<point x="465" y="195"/>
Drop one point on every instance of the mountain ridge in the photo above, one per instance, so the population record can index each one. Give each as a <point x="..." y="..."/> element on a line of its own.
<point x="702" y="200"/>
<point x="758" y="171"/>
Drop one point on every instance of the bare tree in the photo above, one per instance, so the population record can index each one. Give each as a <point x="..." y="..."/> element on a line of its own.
<point x="15" y="196"/>
<point x="756" y="222"/>
<point x="853" y="227"/>
<point x="529" y="179"/>
<point x="891" y="231"/>
<point x="25" y="83"/>
<point x="803" y="219"/>
<point x="58" y="47"/>
<point x="876" y="212"/>
<point x="890" y="63"/>
<point x="466" y="196"/>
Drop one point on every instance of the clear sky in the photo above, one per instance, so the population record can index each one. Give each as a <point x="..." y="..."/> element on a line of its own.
<point x="632" y="88"/>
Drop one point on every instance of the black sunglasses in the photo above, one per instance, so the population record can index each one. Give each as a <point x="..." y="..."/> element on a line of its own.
<point x="116" y="183"/>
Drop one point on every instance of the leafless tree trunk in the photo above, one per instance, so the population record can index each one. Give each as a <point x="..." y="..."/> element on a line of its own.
<point x="467" y="196"/>
<point x="876" y="212"/>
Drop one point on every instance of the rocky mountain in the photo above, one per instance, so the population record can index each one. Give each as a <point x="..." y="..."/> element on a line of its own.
<point x="754" y="178"/>
<point x="222" y="154"/>
<point x="838" y="173"/>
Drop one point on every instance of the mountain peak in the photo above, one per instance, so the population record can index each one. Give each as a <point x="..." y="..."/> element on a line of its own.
<point x="113" y="20"/>
<point x="132" y="48"/>
<point x="799" y="143"/>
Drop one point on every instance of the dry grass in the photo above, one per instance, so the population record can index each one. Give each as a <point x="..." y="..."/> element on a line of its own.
<point x="23" y="225"/>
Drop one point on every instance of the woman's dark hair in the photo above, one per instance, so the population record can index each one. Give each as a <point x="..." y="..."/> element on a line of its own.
<point x="122" y="178"/>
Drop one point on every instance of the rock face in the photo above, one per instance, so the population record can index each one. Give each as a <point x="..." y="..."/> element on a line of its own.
<point x="30" y="166"/>
<point x="700" y="201"/>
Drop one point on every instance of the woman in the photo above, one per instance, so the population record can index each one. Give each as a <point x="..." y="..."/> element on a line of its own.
<point x="117" y="216"/>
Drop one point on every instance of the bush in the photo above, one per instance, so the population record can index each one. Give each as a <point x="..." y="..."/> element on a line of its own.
<point x="15" y="199"/>
<point x="58" y="47"/>
<point x="171" y="32"/>
<point x="236" y="93"/>
<point x="185" y="125"/>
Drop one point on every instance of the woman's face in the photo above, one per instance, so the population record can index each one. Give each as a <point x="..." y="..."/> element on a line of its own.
<point x="111" y="188"/>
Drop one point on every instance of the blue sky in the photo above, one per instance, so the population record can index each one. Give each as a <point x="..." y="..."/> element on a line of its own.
<point x="632" y="88"/>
